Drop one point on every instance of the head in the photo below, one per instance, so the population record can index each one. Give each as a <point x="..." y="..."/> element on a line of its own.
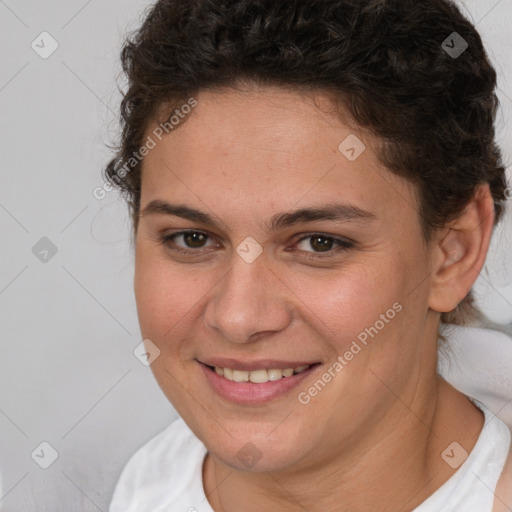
<point x="257" y="114"/>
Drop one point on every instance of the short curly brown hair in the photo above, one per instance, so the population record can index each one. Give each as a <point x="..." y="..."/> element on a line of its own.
<point x="384" y="60"/>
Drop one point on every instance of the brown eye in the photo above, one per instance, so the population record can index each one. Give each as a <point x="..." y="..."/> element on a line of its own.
<point x="192" y="241"/>
<point x="320" y="243"/>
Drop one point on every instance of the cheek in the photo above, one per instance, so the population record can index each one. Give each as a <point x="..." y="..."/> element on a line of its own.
<point x="343" y="303"/>
<point x="164" y="293"/>
<point x="339" y="304"/>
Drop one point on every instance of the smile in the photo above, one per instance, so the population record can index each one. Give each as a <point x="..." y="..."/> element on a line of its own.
<point x="258" y="383"/>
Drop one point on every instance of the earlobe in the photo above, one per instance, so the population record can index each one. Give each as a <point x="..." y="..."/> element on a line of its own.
<point x="461" y="252"/>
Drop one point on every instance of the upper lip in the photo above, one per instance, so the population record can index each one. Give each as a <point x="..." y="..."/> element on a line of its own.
<point x="262" y="364"/>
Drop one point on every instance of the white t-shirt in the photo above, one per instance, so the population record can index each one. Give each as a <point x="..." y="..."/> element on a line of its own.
<point x="165" y="475"/>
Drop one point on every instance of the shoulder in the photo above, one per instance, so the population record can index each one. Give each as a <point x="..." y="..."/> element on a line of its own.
<point x="503" y="500"/>
<point x="160" y="470"/>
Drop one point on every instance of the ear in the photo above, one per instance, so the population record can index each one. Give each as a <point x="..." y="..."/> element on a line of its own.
<point x="459" y="251"/>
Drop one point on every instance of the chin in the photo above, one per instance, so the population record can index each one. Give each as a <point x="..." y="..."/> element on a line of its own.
<point x="255" y="453"/>
<point x="251" y="459"/>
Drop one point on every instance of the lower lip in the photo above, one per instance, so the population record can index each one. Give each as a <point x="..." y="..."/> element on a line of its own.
<point x="250" y="392"/>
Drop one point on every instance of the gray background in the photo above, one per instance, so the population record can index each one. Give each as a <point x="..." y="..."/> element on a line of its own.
<point x="68" y="375"/>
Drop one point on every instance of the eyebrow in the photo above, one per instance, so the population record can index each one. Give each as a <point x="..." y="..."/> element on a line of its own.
<point x="333" y="211"/>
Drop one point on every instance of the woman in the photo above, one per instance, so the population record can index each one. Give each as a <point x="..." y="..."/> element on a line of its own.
<point x="313" y="188"/>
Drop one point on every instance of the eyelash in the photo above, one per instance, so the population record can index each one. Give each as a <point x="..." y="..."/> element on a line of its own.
<point x="343" y="245"/>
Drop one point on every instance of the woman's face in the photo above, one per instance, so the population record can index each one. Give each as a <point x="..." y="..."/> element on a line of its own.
<point x="260" y="287"/>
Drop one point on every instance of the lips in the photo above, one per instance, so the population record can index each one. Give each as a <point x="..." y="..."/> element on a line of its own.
<point x="254" y="382"/>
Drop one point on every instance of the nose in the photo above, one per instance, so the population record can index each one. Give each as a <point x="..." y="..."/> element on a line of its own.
<point x="249" y="302"/>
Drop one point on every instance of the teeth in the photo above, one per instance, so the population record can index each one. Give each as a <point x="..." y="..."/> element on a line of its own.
<point x="240" y="376"/>
<point x="275" y="374"/>
<point x="258" y="376"/>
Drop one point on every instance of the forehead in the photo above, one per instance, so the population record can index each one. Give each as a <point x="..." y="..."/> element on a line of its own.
<point x="263" y="119"/>
<point x="267" y="147"/>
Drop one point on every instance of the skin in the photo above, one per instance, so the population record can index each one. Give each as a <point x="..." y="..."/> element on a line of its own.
<point x="244" y="156"/>
<point x="503" y="499"/>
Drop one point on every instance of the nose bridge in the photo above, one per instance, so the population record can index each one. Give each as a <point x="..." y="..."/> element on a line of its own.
<point x="249" y="300"/>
